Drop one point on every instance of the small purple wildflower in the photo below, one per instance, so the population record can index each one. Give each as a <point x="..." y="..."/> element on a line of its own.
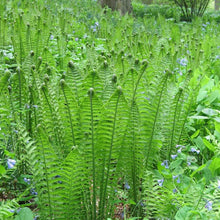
<point x="33" y="192"/>
<point x="179" y="150"/>
<point x="160" y="182"/>
<point x="35" y="106"/>
<point x="127" y="186"/>
<point x="76" y="39"/>
<point x="173" y="156"/>
<point x="165" y="163"/>
<point x="11" y="163"/>
<point x="218" y="184"/>
<point x="51" y="37"/>
<point x="175" y="190"/>
<point x="178" y="180"/>
<point x="175" y="176"/>
<point x="194" y="150"/>
<point x="182" y="62"/>
<point x="28" y="181"/>
<point x="178" y="146"/>
<point x="209" y="205"/>
<point x="188" y="163"/>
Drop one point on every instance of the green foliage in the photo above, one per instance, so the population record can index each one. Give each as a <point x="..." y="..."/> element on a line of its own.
<point x="103" y="114"/>
<point x="155" y="10"/>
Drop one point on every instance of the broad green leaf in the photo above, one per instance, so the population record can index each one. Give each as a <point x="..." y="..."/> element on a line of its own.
<point x="217" y="126"/>
<point x="195" y="134"/>
<point x="2" y="170"/>
<point x="25" y="214"/>
<point x="208" y="145"/>
<point x="182" y="213"/>
<point x="199" y="143"/>
<point x="202" y="95"/>
<point x="212" y="97"/>
<point x="199" y="169"/>
<point x="210" y="112"/>
<point x="131" y="202"/>
<point x="199" y="117"/>
<point x="215" y="164"/>
<point x="217" y="119"/>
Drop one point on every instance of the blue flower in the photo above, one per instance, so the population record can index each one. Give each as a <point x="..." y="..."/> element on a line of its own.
<point x="194" y="150"/>
<point x="179" y="150"/>
<point x="11" y="163"/>
<point x="182" y="62"/>
<point x="28" y="181"/>
<point x="165" y="163"/>
<point x="76" y="39"/>
<point x="33" y="192"/>
<point x="175" y="190"/>
<point x="174" y="156"/>
<point x="127" y="186"/>
<point x="178" y="146"/>
<point x="160" y="182"/>
<point x="209" y="205"/>
<point x="178" y="180"/>
<point x="175" y="176"/>
<point x="51" y="37"/>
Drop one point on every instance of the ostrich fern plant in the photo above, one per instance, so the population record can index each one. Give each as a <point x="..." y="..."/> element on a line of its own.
<point x="94" y="114"/>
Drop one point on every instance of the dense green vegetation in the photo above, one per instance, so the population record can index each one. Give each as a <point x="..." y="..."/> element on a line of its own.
<point x="108" y="117"/>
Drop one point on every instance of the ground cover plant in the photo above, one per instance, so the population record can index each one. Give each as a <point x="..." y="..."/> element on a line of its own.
<point x="107" y="117"/>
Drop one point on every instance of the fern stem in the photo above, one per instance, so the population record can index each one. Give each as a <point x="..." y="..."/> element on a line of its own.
<point x="20" y="88"/>
<point x="155" y="120"/>
<point x="70" y="118"/>
<point x="57" y="137"/>
<point x="174" y="123"/>
<point x="109" y="157"/>
<point x="133" y="166"/>
<point x="47" y="180"/>
<point x="91" y="93"/>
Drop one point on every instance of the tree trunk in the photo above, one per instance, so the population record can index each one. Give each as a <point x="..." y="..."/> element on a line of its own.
<point x="121" y="5"/>
<point x="147" y="2"/>
<point x="217" y="4"/>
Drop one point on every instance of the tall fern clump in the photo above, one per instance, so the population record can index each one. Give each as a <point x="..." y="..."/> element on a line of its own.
<point x="94" y="109"/>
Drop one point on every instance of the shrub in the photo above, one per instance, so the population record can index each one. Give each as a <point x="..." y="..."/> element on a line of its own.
<point x="192" y="8"/>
